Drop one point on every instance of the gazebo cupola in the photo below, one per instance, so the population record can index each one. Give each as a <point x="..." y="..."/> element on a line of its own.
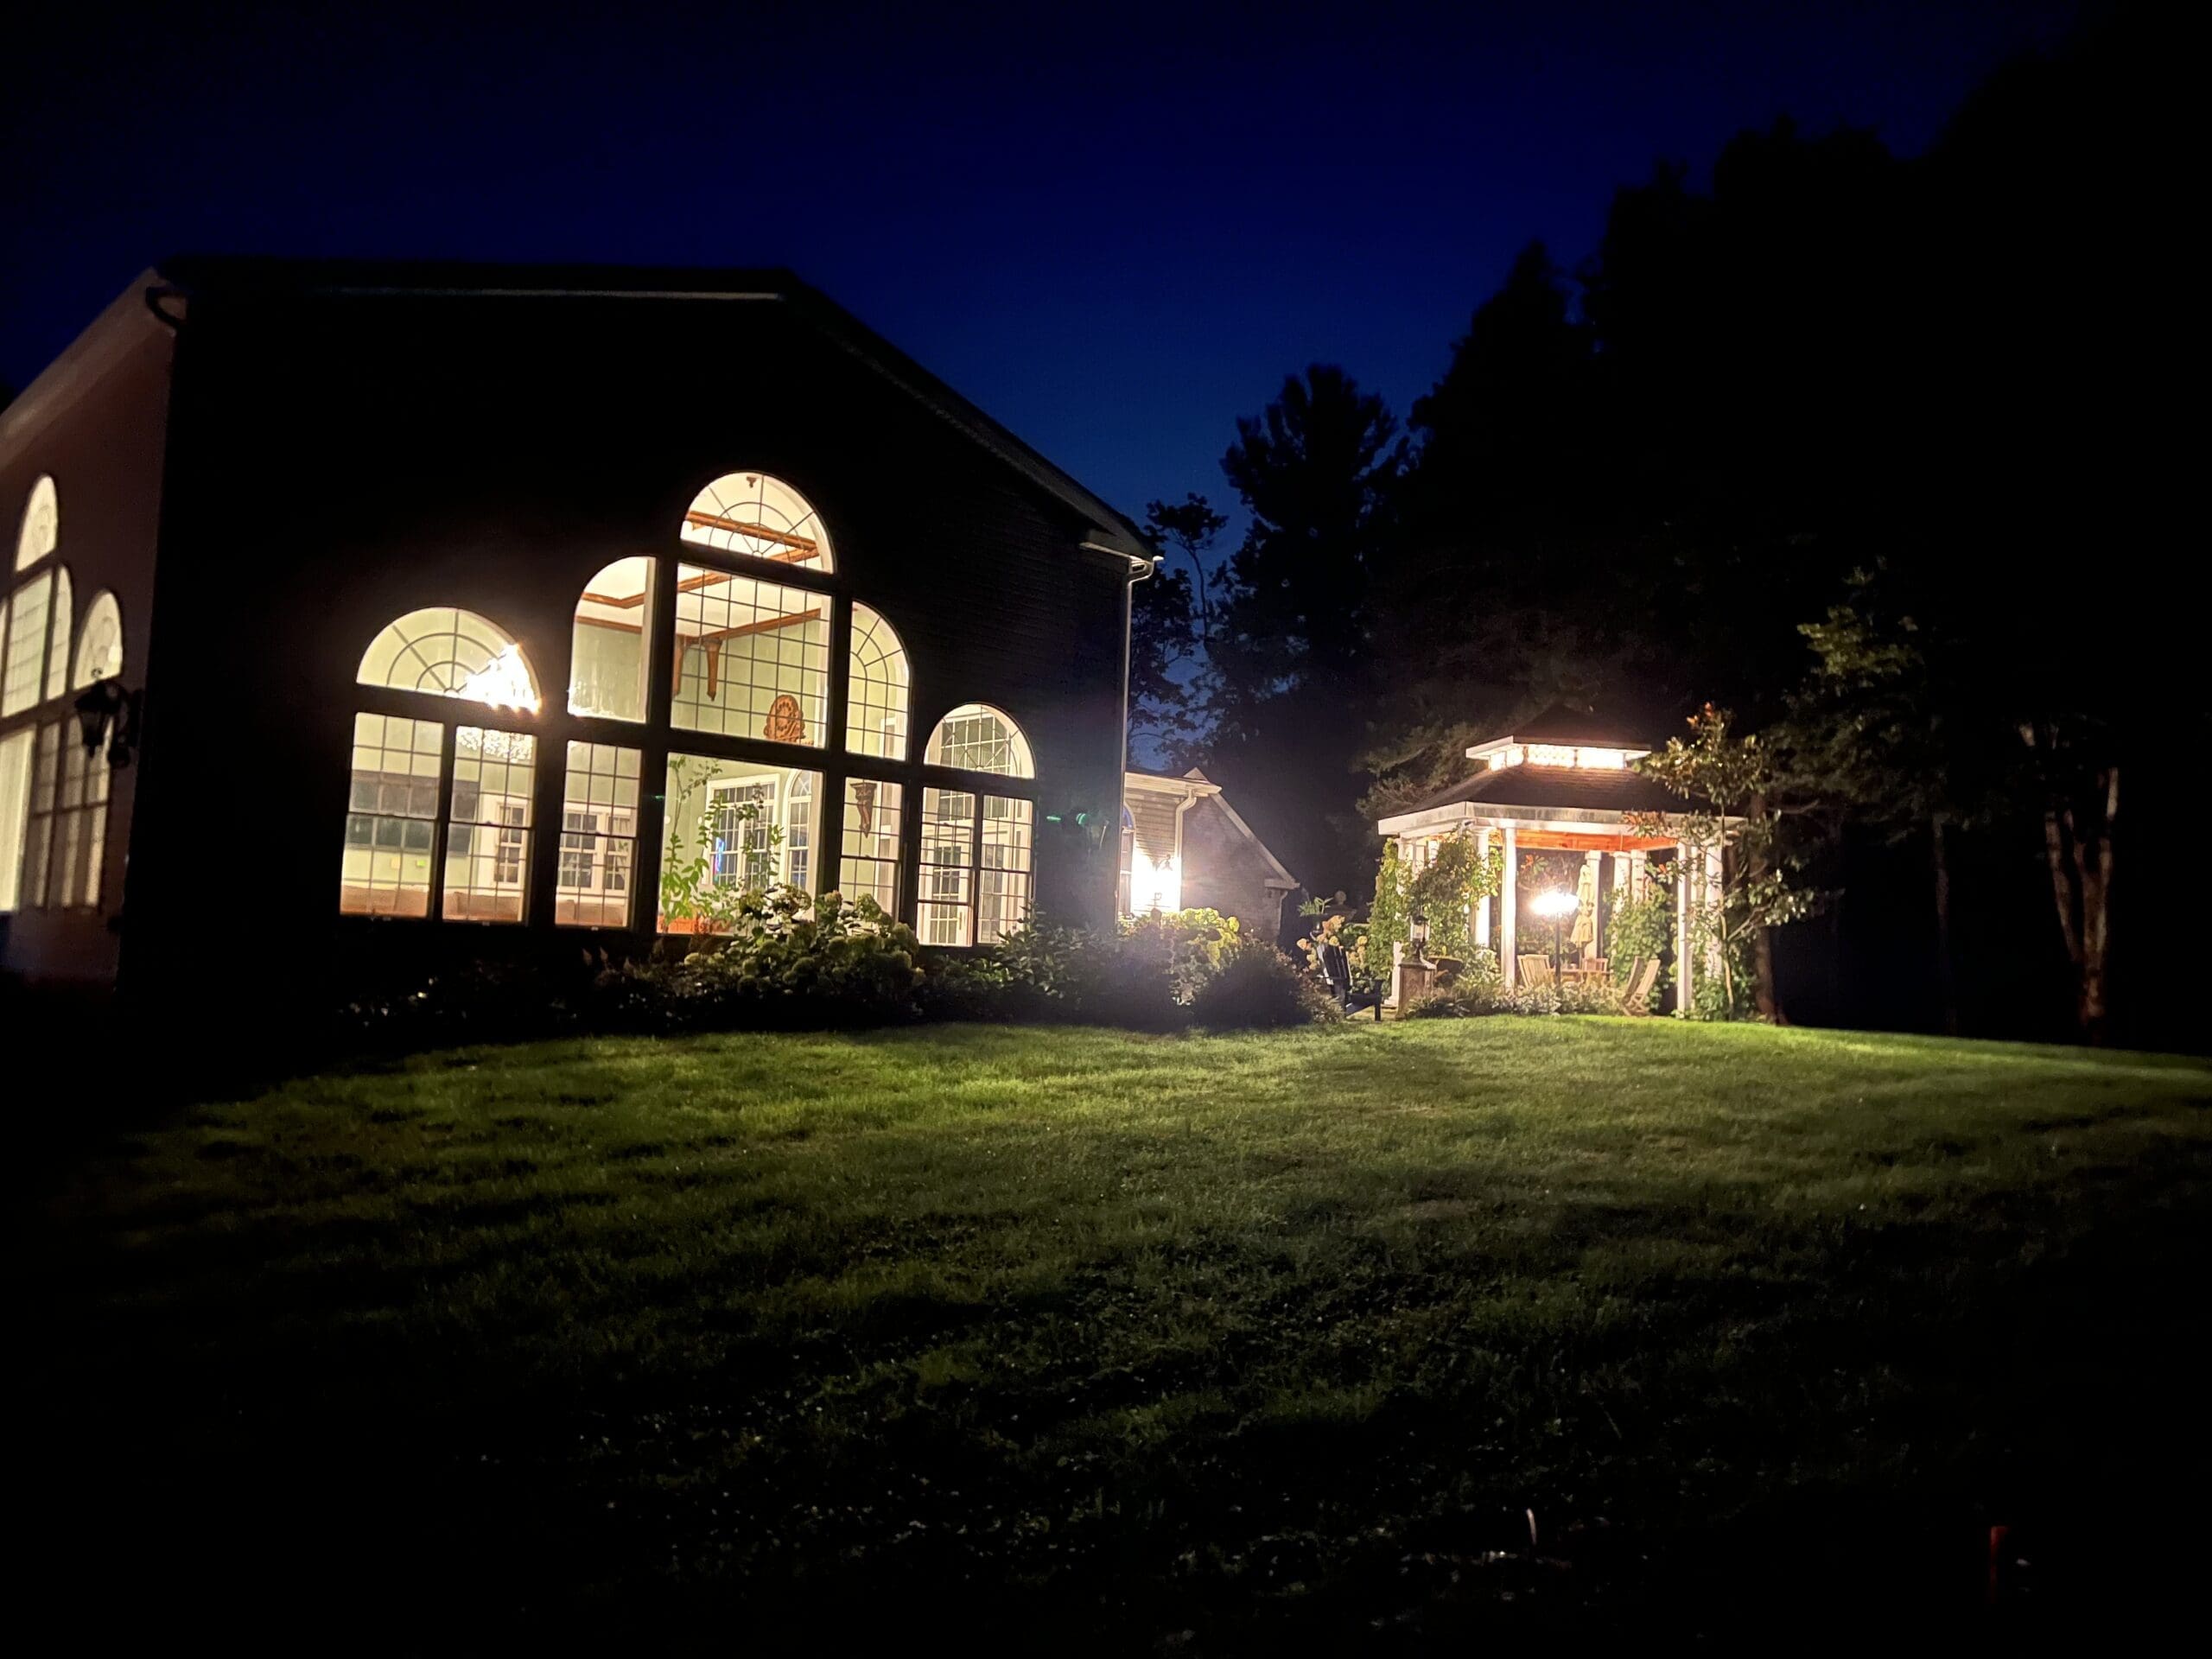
<point x="1560" y="782"/>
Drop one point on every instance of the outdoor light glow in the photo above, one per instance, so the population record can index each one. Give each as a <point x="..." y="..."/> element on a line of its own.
<point x="1557" y="905"/>
<point x="1561" y="754"/>
<point x="1167" y="887"/>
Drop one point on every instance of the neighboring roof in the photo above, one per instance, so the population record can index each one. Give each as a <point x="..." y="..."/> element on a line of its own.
<point x="1556" y="787"/>
<point x="1196" y="786"/>
<point x="1580" y="725"/>
<point x="1113" y="532"/>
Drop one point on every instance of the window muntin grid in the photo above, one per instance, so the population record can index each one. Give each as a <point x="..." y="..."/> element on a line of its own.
<point x="24" y="676"/>
<point x="734" y="827"/>
<point x="762" y="518"/>
<point x="57" y="653"/>
<point x="610" y="644"/>
<point x="752" y="658"/>
<point x="487" y="843"/>
<point x="391" y="821"/>
<point x="99" y="643"/>
<point x="946" y="891"/>
<point x="976" y="737"/>
<point x="449" y="652"/>
<point x="869" y="848"/>
<point x="40" y="530"/>
<point x="598" y="843"/>
<point x="38" y="836"/>
<point x="1002" y="876"/>
<point x="875" y="696"/>
<point x="15" y="812"/>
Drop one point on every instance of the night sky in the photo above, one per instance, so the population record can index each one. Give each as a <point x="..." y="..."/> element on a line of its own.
<point x="1117" y="229"/>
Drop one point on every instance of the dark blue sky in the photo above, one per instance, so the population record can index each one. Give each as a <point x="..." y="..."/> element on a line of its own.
<point x="1116" y="228"/>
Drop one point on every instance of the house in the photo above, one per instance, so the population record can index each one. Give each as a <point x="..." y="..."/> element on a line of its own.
<point x="387" y="614"/>
<point x="1558" y="799"/>
<point x="1185" y="847"/>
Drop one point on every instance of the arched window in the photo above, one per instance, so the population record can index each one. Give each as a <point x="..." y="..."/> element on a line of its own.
<point x="57" y="656"/>
<point x="426" y="798"/>
<point x="612" y="642"/>
<point x="975" y="737"/>
<point x="875" y="701"/>
<point x="762" y="518"/>
<point x="100" y="643"/>
<point x="29" y="612"/>
<point x="451" y="653"/>
<point x="42" y="528"/>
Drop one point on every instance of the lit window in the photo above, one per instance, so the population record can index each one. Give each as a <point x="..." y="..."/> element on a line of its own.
<point x="871" y="844"/>
<point x="976" y="737"/>
<point x="762" y="518"/>
<point x="752" y="658"/>
<point x="391" y="820"/>
<point x="733" y="827"/>
<point x="948" y="869"/>
<point x="1002" y="879"/>
<point x="875" y="704"/>
<point x="451" y="653"/>
<point x="68" y="840"/>
<point x="609" y="648"/>
<point x="975" y="867"/>
<point x="24" y="676"/>
<point x="99" y="645"/>
<point x="599" y="836"/>
<point x="1579" y="758"/>
<point x="487" y="845"/>
<point x="15" y="808"/>
<point x="57" y="655"/>
<point x="41" y="528"/>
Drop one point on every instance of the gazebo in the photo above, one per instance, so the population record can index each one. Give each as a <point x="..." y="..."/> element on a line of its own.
<point x="1562" y="781"/>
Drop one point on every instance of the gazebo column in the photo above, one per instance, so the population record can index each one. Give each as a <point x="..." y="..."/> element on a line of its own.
<point x="1483" y="904"/>
<point x="1709" y="897"/>
<point x="1509" y="913"/>
<point x="1685" y="989"/>
<point x="1595" y="862"/>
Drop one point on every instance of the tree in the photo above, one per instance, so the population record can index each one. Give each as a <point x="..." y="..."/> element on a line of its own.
<point x="1290" y="672"/>
<point x="1190" y="528"/>
<point x="1162" y="638"/>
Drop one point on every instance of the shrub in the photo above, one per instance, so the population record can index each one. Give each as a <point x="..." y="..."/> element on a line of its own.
<point x="789" y="960"/>
<point x="1258" y="987"/>
<point x="1471" y="999"/>
<point x="965" y="985"/>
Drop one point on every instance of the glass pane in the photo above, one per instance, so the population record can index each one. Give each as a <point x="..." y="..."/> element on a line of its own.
<point x="870" y="847"/>
<point x="387" y="869"/>
<point x="488" y="873"/>
<point x="947" y="876"/>
<point x="25" y="674"/>
<point x="599" y="827"/>
<point x="609" y="646"/>
<point x="975" y="737"/>
<point x="733" y="827"/>
<point x="762" y="518"/>
<point x="752" y="657"/>
<point x="875" y="703"/>
<point x="1002" y="883"/>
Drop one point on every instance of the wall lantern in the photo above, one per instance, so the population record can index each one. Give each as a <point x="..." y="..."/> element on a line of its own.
<point x="105" y="710"/>
<point x="1419" y="933"/>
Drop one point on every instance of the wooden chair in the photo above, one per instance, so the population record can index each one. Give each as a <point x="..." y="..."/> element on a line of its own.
<point x="1536" y="974"/>
<point x="1336" y="967"/>
<point x="1642" y="975"/>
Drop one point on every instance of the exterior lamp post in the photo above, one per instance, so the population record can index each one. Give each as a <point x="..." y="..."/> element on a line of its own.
<point x="1558" y="904"/>
<point x="1419" y="934"/>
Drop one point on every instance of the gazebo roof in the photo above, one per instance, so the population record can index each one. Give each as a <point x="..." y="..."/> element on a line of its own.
<point x="1540" y="789"/>
<point x="1577" y="725"/>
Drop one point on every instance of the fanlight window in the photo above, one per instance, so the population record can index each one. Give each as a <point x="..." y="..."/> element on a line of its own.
<point x="612" y="642"/>
<point x="762" y="518"/>
<point x="100" y="643"/>
<point x="875" y="703"/>
<point x="41" y="530"/>
<point x="975" y="737"/>
<point x="451" y="653"/>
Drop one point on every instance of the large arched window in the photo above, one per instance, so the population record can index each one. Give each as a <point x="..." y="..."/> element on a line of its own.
<point x="407" y="835"/>
<point x="611" y="645"/>
<point x="41" y="527"/>
<point x="975" y="737"/>
<point x="100" y="643"/>
<point x="875" y="702"/>
<point x="451" y="653"/>
<point x="762" y="518"/>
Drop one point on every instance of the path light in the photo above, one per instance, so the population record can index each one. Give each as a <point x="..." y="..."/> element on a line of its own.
<point x="1419" y="934"/>
<point x="1557" y="905"/>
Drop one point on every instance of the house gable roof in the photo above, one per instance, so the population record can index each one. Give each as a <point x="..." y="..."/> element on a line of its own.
<point x="1195" y="786"/>
<point x="1577" y="725"/>
<point x="1106" y="530"/>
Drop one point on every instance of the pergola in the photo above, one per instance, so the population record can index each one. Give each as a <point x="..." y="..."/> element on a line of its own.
<point x="1562" y="781"/>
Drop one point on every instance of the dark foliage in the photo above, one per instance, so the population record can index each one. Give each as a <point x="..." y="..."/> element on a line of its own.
<point x="1257" y="987"/>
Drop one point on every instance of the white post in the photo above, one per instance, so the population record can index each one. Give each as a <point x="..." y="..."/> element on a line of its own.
<point x="1710" y="895"/>
<point x="1684" y="990"/>
<point x="1483" y="904"/>
<point x="1594" y="861"/>
<point x="1509" y="913"/>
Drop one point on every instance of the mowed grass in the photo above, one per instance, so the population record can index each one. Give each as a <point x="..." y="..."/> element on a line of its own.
<point x="1206" y="1342"/>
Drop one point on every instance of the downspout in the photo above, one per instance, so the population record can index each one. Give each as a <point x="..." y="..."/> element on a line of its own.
<point x="1138" y="570"/>
<point x="1181" y="807"/>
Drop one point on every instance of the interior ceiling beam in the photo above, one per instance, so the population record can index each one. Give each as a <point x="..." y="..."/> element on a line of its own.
<point x="799" y="547"/>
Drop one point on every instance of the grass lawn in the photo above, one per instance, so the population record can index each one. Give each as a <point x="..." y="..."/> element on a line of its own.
<point x="1194" y="1343"/>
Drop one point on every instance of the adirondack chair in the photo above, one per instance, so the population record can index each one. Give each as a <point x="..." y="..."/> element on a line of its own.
<point x="1536" y="973"/>
<point x="1642" y="975"/>
<point x="1336" y="967"/>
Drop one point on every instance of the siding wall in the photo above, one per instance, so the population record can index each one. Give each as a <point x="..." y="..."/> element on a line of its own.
<point x="1223" y="870"/>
